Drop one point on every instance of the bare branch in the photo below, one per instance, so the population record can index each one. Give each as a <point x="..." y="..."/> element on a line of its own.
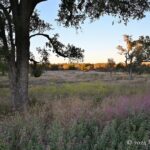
<point x="69" y="51"/>
<point x="51" y="41"/>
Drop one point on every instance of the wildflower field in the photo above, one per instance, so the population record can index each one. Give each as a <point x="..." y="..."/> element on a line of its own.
<point x="74" y="110"/>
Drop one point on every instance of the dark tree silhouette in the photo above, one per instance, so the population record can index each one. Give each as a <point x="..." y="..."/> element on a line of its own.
<point x="18" y="24"/>
<point x="18" y="21"/>
<point x="74" y="12"/>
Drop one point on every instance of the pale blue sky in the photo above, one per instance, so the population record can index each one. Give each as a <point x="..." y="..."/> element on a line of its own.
<point x="99" y="39"/>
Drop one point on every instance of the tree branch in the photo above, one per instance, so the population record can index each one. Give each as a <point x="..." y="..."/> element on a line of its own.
<point x="52" y="43"/>
<point x="38" y="1"/>
<point x="34" y="61"/>
<point x="40" y="34"/>
<point x="35" y="2"/>
<point x="6" y="13"/>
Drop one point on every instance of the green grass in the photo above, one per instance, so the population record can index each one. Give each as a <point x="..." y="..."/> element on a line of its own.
<point x="95" y="91"/>
<point x="86" y="90"/>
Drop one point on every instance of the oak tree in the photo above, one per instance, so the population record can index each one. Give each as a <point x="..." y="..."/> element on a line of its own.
<point x="135" y="52"/>
<point x="19" y="23"/>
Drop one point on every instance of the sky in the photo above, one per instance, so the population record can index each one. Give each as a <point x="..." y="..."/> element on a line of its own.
<point x="99" y="39"/>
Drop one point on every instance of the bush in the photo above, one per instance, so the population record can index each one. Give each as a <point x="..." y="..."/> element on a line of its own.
<point x="3" y="146"/>
<point x="54" y="67"/>
<point x="72" y="67"/>
<point x="120" y="67"/>
<point x="36" y="134"/>
<point x="132" y="134"/>
<point x="36" y="72"/>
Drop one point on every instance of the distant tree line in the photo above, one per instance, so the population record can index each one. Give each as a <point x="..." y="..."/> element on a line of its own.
<point x="110" y="66"/>
<point x="37" y="68"/>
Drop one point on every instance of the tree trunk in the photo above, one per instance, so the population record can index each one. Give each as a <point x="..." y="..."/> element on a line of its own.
<point x="130" y="72"/>
<point x="130" y="68"/>
<point x="18" y="75"/>
<point x="19" y="68"/>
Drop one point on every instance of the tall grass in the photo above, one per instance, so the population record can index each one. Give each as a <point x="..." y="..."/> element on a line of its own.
<point x="126" y="105"/>
<point x="78" y="116"/>
<point x="40" y="132"/>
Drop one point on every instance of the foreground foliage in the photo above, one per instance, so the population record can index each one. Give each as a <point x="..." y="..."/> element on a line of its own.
<point x="41" y="134"/>
<point x="87" y="115"/>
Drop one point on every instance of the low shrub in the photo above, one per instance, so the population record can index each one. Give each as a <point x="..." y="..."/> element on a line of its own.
<point x="35" y="133"/>
<point x="37" y="72"/>
<point x="122" y="134"/>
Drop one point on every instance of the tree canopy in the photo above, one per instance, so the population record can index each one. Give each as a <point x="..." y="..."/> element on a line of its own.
<point x="38" y="27"/>
<point x="135" y="52"/>
<point x="74" y="12"/>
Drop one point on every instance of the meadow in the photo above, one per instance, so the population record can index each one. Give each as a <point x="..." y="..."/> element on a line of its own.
<point x="76" y="110"/>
